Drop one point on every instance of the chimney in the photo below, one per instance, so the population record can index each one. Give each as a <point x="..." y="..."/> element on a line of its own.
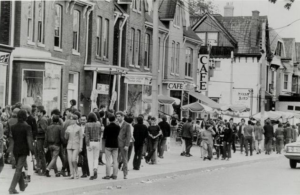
<point x="255" y="14"/>
<point x="228" y="9"/>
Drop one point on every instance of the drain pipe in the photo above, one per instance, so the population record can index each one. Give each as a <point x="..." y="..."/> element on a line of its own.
<point x="163" y="64"/>
<point x="87" y="33"/>
<point x="119" y="59"/>
<point x="12" y="43"/>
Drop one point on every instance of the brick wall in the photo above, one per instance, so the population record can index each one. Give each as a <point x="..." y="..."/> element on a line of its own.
<point x="5" y="22"/>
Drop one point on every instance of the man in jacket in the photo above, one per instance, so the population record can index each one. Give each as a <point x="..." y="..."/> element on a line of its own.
<point x="187" y="135"/>
<point x="21" y="140"/>
<point x="12" y="121"/>
<point x="241" y="134"/>
<point x="140" y="133"/>
<point x="42" y="125"/>
<point x="53" y="140"/>
<point x="288" y="134"/>
<point x="110" y="137"/>
<point x="166" y="132"/>
<point x="269" y="136"/>
<point x="249" y="137"/>
<point x="123" y="141"/>
<point x="207" y="138"/>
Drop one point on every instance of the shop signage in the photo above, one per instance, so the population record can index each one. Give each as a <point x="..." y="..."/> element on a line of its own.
<point x="137" y="80"/>
<point x="102" y="89"/>
<point x="242" y="97"/>
<point x="202" y="73"/>
<point x="4" y="58"/>
<point x="180" y="86"/>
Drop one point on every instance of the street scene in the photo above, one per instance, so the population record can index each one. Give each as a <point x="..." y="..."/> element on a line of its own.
<point x="149" y="97"/>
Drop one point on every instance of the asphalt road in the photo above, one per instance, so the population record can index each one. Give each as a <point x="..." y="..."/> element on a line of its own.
<point x="260" y="178"/>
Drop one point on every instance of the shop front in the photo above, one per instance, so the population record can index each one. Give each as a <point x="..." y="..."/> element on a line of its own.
<point x="139" y="90"/>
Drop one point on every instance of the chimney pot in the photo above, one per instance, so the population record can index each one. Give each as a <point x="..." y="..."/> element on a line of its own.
<point x="255" y="14"/>
<point x="228" y="9"/>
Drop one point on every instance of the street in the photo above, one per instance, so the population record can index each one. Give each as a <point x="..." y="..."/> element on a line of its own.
<point x="260" y="178"/>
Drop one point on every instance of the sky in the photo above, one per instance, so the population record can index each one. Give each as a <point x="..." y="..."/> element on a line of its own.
<point x="278" y="16"/>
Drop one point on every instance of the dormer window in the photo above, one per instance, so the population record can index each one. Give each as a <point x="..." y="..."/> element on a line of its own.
<point x="279" y="50"/>
<point x="177" y="17"/>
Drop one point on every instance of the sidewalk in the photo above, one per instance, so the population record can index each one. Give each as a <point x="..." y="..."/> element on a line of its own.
<point x="172" y="163"/>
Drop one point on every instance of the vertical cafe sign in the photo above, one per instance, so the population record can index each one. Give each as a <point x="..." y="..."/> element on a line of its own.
<point x="202" y="73"/>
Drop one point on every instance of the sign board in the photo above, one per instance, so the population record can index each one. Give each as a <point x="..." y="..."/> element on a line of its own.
<point x="180" y="86"/>
<point x="102" y="89"/>
<point x="138" y="80"/>
<point x="202" y="73"/>
<point x="4" y="58"/>
<point x="242" y="97"/>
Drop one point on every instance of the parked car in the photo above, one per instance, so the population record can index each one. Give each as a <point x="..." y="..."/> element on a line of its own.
<point x="292" y="152"/>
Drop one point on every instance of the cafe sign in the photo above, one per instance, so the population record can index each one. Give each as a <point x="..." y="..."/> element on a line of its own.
<point x="180" y="86"/>
<point x="202" y="73"/>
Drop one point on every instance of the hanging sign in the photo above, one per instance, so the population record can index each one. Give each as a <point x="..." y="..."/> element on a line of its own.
<point x="102" y="89"/>
<point x="202" y="73"/>
<point x="242" y="97"/>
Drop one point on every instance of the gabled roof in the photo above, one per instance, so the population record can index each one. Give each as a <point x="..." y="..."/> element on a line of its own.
<point x="274" y="37"/>
<point x="167" y="9"/>
<point x="188" y="32"/>
<point x="298" y="52"/>
<point x="289" y="44"/>
<point x="149" y="19"/>
<point x="240" y="29"/>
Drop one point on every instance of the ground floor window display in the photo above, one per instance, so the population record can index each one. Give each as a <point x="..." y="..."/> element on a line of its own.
<point x="104" y="81"/>
<point x="135" y="103"/>
<point x="42" y="87"/>
<point x="2" y="84"/>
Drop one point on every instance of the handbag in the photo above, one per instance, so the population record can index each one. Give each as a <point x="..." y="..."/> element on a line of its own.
<point x="80" y="160"/>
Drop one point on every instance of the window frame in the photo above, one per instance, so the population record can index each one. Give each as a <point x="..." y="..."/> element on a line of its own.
<point x="30" y="24"/>
<point x="188" y="62"/>
<point x="207" y="38"/>
<point x="138" y="48"/>
<point x="285" y="82"/>
<point x="99" y="38"/>
<point x="75" y="47"/>
<point x="132" y="47"/>
<point x="41" y="28"/>
<point x="106" y="39"/>
<point x="173" y="57"/>
<point x="177" y="58"/>
<point x="147" y="49"/>
<point x="60" y="27"/>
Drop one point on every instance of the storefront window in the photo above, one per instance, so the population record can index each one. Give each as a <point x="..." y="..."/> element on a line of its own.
<point x="176" y="94"/>
<point x="2" y="85"/>
<point x="147" y="92"/>
<point x="134" y="104"/>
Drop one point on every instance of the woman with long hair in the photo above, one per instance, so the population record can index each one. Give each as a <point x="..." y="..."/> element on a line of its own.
<point x="92" y="139"/>
<point x="74" y="136"/>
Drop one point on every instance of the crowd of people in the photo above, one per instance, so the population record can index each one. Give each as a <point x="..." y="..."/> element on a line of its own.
<point x="82" y="140"/>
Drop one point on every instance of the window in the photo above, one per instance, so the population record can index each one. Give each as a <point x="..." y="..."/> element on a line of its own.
<point x="188" y="62"/>
<point x="177" y="16"/>
<point x="99" y="36"/>
<point x="105" y="38"/>
<point x="212" y="39"/>
<point x="202" y="36"/>
<point x="138" y="38"/>
<point x="297" y="108"/>
<point x="132" y="41"/>
<point x="30" y="21"/>
<point x="41" y="19"/>
<point x="147" y="51"/>
<point x="76" y="24"/>
<point x="279" y="49"/>
<point x="173" y="58"/>
<point x="295" y="84"/>
<point x="57" y="27"/>
<point x="285" y="81"/>
<point x="290" y="107"/>
<point x="177" y="57"/>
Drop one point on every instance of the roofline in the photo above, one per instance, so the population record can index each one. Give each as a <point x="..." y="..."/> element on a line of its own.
<point x="248" y="54"/>
<point x="149" y="24"/>
<point x="192" y="40"/>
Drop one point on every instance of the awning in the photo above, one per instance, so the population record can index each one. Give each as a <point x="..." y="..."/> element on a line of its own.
<point x="162" y="99"/>
<point x="235" y="108"/>
<point x="106" y="69"/>
<point x="205" y="99"/>
<point x="197" y="107"/>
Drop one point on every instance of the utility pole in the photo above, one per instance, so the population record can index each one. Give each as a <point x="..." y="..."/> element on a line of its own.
<point x="155" y="60"/>
<point x="263" y="74"/>
<point x="231" y="77"/>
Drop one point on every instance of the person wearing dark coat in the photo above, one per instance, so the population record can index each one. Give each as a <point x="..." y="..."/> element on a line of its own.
<point x="227" y="142"/>
<point x="140" y="134"/>
<point x="21" y="141"/>
<point x="166" y="132"/>
<point x="269" y="136"/>
<point x="218" y="139"/>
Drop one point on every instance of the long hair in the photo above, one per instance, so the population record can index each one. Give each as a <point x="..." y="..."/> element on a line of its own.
<point x="92" y="118"/>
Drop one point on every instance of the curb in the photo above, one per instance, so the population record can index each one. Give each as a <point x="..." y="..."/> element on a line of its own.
<point x="114" y="184"/>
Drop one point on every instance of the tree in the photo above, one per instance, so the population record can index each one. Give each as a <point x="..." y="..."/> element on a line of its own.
<point x="287" y="5"/>
<point x="198" y="7"/>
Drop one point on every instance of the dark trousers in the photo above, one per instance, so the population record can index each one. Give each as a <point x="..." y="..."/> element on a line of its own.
<point x="54" y="150"/>
<point x="161" y="146"/>
<point x="138" y="150"/>
<point x="85" y="165"/>
<point x="242" y="142"/>
<point x="123" y="156"/>
<point x="20" y="163"/>
<point x="233" y="142"/>
<point x="227" y="150"/>
<point x="188" y="145"/>
<point x="279" y="144"/>
<point x="268" y="143"/>
<point x="63" y="155"/>
<point x="152" y="144"/>
<point x="1" y="163"/>
<point x="248" y="141"/>
<point x="219" y="150"/>
<point x="41" y="160"/>
<point x="130" y="150"/>
<point x="209" y="151"/>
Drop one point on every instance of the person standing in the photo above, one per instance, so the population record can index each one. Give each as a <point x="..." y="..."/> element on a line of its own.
<point x="124" y="142"/>
<point x="179" y="133"/>
<point x="227" y="141"/>
<point x="234" y="132"/>
<point x="140" y="134"/>
<point x="219" y="138"/>
<point x="21" y="141"/>
<point x="288" y="134"/>
<point x="12" y="121"/>
<point x="187" y="135"/>
<point x="129" y="120"/>
<point x="294" y="133"/>
<point x="166" y="132"/>
<point x="85" y="165"/>
<point x="207" y="139"/>
<point x="110" y="137"/>
<point x="103" y="122"/>
<point x="249" y="135"/>
<point x="154" y="132"/>
<point x="279" y="135"/>
<point x="42" y="125"/>
<point x="241" y="134"/>
<point x="269" y="135"/>
<point x="258" y="132"/>
<point x="73" y="135"/>
<point x="92" y="139"/>
<point x="53" y="142"/>
<point x="174" y="126"/>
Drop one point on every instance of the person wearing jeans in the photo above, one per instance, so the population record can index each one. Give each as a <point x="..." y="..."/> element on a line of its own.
<point x="92" y="140"/>
<point x="249" y="134"/>
<point x="153" y="135"/>
<point x="53" y="141"/>
<point x="279" y="135"/>
<point x="21" y="141"/>
<point x="166" y="132"/>
<point x="110" y="137"/>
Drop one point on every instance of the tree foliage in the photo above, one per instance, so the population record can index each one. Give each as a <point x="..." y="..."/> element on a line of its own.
<point x="198" y="7"/>
<point x="287" y="5"/>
